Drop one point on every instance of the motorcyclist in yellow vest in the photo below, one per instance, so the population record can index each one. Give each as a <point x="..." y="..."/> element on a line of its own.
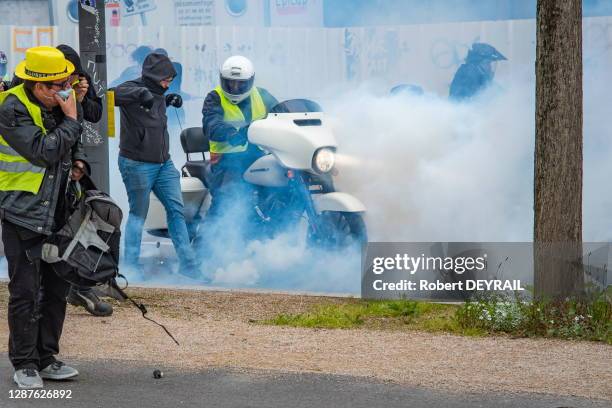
<point x="39" y="152"/>
<point x="228" y="110"/>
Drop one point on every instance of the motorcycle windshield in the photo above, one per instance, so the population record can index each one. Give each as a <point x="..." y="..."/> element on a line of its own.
<point x="296" y="106"/>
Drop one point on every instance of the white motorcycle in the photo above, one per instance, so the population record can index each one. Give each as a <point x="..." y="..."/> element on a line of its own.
<point x="291" y="182"/>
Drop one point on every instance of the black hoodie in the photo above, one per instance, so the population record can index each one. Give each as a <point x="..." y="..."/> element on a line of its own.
<point x="92" y="104"/>
<point x="144" y="132"/>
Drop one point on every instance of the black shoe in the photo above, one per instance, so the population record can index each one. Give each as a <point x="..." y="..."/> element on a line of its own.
<point x="108" y="291"/>
<point x="90" y="302"/>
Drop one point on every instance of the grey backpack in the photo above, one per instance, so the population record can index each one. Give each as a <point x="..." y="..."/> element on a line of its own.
<point x="85" y="251"/>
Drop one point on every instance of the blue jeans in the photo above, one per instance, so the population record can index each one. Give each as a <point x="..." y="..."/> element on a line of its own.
<point x="140" y="178"/>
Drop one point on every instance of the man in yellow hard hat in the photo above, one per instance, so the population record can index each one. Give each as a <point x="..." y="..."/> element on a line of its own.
<point x="39" y="153"/>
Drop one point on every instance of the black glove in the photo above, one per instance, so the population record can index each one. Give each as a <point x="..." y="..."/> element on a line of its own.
<point x="147" y="101"/>
<point x="240" y="137"/>
<point x="174" y="100"/>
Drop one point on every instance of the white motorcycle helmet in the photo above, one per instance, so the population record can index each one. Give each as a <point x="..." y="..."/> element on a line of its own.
<point x="237" y="77"/>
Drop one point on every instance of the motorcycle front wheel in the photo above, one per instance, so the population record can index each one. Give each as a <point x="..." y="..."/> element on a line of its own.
<point x="337" y="230"/>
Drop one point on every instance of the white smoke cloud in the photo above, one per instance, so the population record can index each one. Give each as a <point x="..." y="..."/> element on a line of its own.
<point x="432" y="170"/>
<point x="427" y="170"/>
<point x="287" y="262"/>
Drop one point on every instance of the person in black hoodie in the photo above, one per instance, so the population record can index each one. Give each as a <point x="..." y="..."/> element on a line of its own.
<point x="144" y="161"/>
<point x="81" y="83"/>
<point x="91" y="106"/>
<point x="176" y="118"/>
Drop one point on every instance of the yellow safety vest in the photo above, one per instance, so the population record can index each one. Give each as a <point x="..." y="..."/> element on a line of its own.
<point x="233" y="115"/>
<point x="16" y="173"/>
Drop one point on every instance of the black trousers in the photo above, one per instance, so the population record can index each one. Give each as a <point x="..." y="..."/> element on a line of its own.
<point x="37" y="301"/>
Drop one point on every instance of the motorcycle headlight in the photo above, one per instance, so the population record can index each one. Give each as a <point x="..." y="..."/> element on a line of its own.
<point x="324" y="160"/>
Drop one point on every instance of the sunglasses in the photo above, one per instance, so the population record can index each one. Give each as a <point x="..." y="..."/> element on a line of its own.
<point x="60" y="85"/>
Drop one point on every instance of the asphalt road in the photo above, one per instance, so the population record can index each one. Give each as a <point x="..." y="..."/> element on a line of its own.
<point x="127" y="384"/>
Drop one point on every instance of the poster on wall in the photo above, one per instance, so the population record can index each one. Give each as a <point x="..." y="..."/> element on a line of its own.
<point x="132" y="7"/>
<point x="113" y="15"/>
<point x="131" y="13"/>
<point x="25" y="37"/>
<point x="194" y="12"/>
<point x="22" y="39"/>
<point x="304" y="13"/>
<point x="44" y="36"/>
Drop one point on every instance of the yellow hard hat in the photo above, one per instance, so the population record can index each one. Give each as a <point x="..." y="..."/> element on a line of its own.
<point x="44" y="64"/>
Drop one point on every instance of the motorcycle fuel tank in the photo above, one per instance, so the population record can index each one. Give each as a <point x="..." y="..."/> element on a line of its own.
<point x="266" y="171"/>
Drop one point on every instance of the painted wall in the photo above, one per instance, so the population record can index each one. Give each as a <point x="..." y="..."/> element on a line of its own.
<point x="320" y="62"/>
<point x="311" y="61"/>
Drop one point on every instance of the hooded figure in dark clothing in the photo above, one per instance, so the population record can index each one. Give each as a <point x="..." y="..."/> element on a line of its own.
<point x="83" y="87"/>
<point x="176" y="118"/>
<point x="477" y="73"/>
<point x="145" y="164"/>
<point x="91" y="106"/>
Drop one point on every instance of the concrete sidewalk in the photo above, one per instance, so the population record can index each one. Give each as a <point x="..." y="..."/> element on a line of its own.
<point x="128" y="384"/>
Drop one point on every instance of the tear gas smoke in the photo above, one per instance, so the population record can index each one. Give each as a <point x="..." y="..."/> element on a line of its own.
<point x="433" y="170"/>
<point x="426" y="168"/>
<point x="232" y="257"/>
<point x="430" y="170"/>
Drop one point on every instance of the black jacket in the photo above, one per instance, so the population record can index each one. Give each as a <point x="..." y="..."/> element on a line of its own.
<point x="92" y="104"/>
<point x="212" y="114"/>
<point x="55" y="151"/>
<point x="144" y="132"/>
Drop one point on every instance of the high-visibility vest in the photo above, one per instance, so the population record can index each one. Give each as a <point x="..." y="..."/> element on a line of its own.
<point x="233" y="115"/>
<point x="16" y="173"/>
